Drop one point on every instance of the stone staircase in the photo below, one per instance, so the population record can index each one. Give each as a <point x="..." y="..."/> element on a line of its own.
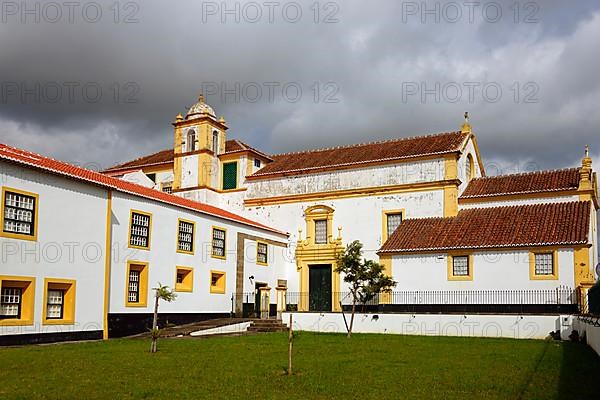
<point x="267" y="325"/>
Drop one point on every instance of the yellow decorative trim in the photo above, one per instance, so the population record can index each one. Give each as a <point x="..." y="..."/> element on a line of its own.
<point x="219" y="287"/>
<point x="349" y="193"/>
<point x="266" y="264"/>
<point x="224" y="242"/>
<point x="384" y="224"/>
<point x="179" y="220"/>
<point x="27" y="285"/>
<point x="532" y="274"/>
<point x="386" y="262"/>
<point x="187" y="285"/>
<point x="450" y="201"/>
<point x="451" y="168"/>
<point x="143" y="284"/>
<point x="583" y="270"/>
<point x="36" y="215"/>
<point x="69" y="288"/>
<point x="471" y="167"/>
<point x="130" y="225"/>
<point x="450" y="259"/>
<point x="108" y="245"/>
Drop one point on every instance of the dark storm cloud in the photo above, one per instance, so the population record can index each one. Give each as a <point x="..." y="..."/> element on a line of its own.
<point x="369" y="61"/>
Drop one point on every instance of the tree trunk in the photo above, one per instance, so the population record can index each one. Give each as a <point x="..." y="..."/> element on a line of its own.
<point x="352" y="317"/>
<point x="154" y="326"/>
<point x="289" y="371"/>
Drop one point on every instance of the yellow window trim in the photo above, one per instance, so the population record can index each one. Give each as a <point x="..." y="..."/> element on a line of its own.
<point x="36" y="215"/>
<point x="224" y="256"/>
<point x="266" y="264"/>
<point x="384" y="225"/>
<point x="472" y="168"/>
<point x="179" y="220"/>
<point x="451" y="276"/>
<point x="219" y="288"/>
<point x="69" y="287"/>
<point x="188" y="279"/>
<point x="143" y="284"/>
<point x="318" y="213"/>
<point x="533" y="276"/>
<point x="26" y="283"/>
<point x="131" y="246"/>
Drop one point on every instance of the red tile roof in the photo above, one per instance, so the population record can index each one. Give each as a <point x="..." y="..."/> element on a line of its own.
<point x="362" y="154"/>
<point x="532" y="182"/>
<point x="50" y="165"/>
<point x="495" y="227"/>
<point x="167" y="156"/>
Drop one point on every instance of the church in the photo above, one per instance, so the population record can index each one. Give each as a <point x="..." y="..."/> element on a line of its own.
<point x="238" y="231"/>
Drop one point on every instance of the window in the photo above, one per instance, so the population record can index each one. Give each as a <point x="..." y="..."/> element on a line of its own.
<point x="167" y="188"/>
<point x="137" y="284"/>
<point x="469" y="168"/>
<point x="217" y="282"/>
<point x="321" y="231"/>
<point x="261" y="253"/>
<point x="460" y="267"/>
<point x="257" y="163"/>
<point x="215" y="143"/>
<point x="185" y="237"/>
<point x="191" y="140"/>
<point x="16" y="300"/>
<point x="10" y="302"/>
<point x="19" y="216"/>
<point x="59" y="301"/>
<point x="152" y="177"/>
<point x="139" y="230"/>
<point x="391" y="220"/>
<point x="218" y="242"/>
<point x="543" y="265"/>
<point x="184" y="279"/>
<point x="229" y="175"/>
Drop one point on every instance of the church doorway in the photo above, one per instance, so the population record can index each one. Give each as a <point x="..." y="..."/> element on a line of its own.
<point x="319" y="287"/>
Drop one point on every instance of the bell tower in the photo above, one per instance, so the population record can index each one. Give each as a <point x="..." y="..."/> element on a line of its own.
<point x="199" y="139"/>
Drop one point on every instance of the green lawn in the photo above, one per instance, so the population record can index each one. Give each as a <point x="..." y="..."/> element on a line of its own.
<point x="327" y="365"/>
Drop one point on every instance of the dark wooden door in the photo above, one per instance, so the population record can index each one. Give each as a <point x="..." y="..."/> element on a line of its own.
<point x="319" y="288"/>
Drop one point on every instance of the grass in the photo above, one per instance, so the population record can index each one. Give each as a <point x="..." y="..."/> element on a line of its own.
<point x="327" y="365"/>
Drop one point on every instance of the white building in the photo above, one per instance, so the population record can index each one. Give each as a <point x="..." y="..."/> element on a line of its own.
<point x="211" y="218"/>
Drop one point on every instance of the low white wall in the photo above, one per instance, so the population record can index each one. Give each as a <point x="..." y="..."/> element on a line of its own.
<point x="591" y="332"/>
<point x="508" y="326"/>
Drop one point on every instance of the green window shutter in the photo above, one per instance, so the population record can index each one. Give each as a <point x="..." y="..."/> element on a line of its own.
<point x="230" y="175"/>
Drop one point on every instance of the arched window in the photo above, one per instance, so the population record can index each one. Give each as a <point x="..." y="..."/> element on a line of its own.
<point x="191" y="140"/>
<point x="469" y="168"/>
<point x="215" y="142"/>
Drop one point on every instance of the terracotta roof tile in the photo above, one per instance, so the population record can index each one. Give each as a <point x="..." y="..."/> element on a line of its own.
<point x="235" y="145"/>
<point x="532" y="182"/>
<point x="359" y="154"/>
<point x="39" y="162"/>
<point x="495" y="227"/>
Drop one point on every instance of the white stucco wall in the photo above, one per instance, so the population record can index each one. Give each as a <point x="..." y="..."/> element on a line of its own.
<point x="518" y="202"/>
<point x="492" y="270"/>
<point x="508" y="326"/>
<point x="70" y="245"/>
<point x="163" y="257"/>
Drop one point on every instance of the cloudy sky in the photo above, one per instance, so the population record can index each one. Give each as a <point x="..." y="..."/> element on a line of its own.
<point x="98" y="84"/>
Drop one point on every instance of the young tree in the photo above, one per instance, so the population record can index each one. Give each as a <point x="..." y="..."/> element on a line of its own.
<point x="366" y="277"/>
<point x="160" y="293"/>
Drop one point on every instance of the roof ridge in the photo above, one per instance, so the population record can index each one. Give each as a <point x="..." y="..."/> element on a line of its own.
<point x="542" y="171"/>
<point x="121" y="165"/>
<point x="349" y="146"/>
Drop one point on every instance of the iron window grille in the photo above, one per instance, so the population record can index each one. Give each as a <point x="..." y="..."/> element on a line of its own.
<point x="544" y="264"/>
<point x="140" y="230"/>
<point x="393" y="222"/>
<point x="321" y="231"/>
<point x="55" y="304"/>
<point x="19" y="214"/>
<point x="133" y="294"/>
<point x="167" y="189"/>
<point x="218" y="244"/>
<point x="261" y="253"/>
<point x="185" y="236"/>
<point x="460" y="265"/>
<point x="10" y="303"/>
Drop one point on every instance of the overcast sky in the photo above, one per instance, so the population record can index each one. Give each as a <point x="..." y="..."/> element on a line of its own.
<point x="367" y="71"/>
